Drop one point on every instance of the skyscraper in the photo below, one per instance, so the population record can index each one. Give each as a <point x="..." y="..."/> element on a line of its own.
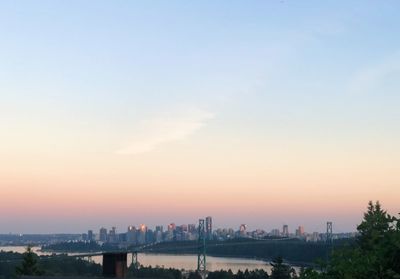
<point x="131" y="235"/>
<point x="103" y="235"/>
<point x="142" y="234"/>
<point x="285" y="231"/>
<point x="192" y="228"/>
<point x="172" y="227"/>
<point x="243" y="230"/>
<point x="112" y="235"/>
<point x="208" y="227"/>
<point x="275" y="232"/>
<point x="90" y="235"/>
<point x="158" y="234"/>
<point x="159" y="229"/>
<point x="300" y="231"/>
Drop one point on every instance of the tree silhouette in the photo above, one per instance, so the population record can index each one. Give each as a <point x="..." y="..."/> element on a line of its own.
<point x="376" y="254"/>
<point x="29" y="265"/>
<point x="194" y="275"/>
<point x="281" y="270"/>
<point x="376" y="224"/>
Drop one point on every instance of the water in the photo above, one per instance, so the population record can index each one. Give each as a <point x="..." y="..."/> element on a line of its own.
<point x="186" y="262"/>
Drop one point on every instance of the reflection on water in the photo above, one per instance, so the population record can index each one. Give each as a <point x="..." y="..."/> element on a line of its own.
<point x="22" y="249"/>
<point x="187" y="262"/>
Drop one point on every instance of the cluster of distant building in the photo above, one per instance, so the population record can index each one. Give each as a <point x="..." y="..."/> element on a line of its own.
<point x="299" y="233"/>
<point x="141" y="234"/>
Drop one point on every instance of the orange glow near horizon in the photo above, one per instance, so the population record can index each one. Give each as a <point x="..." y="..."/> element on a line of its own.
<point x="156" y="190"/>
<point x="203" y="110"/>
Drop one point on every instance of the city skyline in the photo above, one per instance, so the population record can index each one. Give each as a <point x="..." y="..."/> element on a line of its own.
<point x="268" y="228"/>
<point x="273" y="113"/>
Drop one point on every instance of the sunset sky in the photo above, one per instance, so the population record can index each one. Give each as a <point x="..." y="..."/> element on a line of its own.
<point x="266" y="113"/>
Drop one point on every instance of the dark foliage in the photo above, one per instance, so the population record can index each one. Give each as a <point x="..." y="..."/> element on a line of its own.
<point x="376" y="254"/>
<point x="80" y="246"/>
<point x="29" y="265"/>
<point x="9" y="262"/>
<point x="281" y="270"/>
<point x="69" y="266"/>
<point x="195" y="275"/>
<point x="12" y="264"/>
<point x="291" y="250"/>
<point x="253" y="274"/>
<point x="154" y="272"/>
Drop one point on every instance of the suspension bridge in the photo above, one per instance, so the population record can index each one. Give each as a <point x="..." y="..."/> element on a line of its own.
<point x="115" y="262"/>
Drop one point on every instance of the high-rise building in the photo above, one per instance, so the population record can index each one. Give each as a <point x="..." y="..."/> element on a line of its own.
<point x="300" y="231"/>
<point x="84" y="237"/>
<point x="103" y="235"/>
<point x="159" y="229"/>
<point x="192" y="228"/>
<point x="112" y="235"/>
<point x="149" y="236"/>
<point x="209" y="227"/>
<point x="172" y="227"/>
<point x="131" y="235"/>
<point x="285" y="231"/>
<point x="121" y="237"/>
<point x="158" y="234"/>
<point x="142" y="234"/>
<point x="143" y="228"/>
<point x="275" y="232"/>
<point x="315" y="236"/>
<point x="243" y="230"/>
<point x="90" y="235"/>
<point x="184" y="228"/>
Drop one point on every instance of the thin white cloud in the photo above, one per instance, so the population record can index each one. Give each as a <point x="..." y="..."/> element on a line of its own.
<point x="176" y="126"/>
<point x="375" y="76"/>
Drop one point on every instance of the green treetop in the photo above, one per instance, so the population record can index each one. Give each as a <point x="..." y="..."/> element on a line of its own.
<point x="29" y="265"/>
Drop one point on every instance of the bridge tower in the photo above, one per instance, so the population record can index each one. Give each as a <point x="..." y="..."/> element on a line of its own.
<point x="201" y="253"/>
<point x="114" y="264"/>
<point x="135" y="262"/>
<point x="329" y="240"/>
<point x="329" y="233"/>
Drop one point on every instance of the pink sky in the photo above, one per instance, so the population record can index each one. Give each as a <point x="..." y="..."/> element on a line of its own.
<point x="279" y="112"/>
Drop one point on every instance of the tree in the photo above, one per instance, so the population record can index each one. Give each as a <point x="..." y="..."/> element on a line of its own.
<point x="29" y="265"/>
<point x="221" y="274"/>
<point x="194" y="275"/>
<point x="376" y="254"/>
<point x="376" y="224"/>
<point x="308" y="273"/>
<point x="281" y="270"/>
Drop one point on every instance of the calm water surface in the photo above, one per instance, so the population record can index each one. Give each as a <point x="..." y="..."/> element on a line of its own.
<point x="187" y="262"/>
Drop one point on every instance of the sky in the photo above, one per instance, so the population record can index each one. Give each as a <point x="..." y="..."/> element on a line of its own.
<point x="117" y="113"/>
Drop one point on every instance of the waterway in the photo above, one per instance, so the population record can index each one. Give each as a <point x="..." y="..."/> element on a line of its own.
<point x="186" y="262"/>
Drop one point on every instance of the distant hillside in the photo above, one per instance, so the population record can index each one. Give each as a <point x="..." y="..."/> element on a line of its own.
<point x="291" y="250"/>
<point x="79" y="246"/>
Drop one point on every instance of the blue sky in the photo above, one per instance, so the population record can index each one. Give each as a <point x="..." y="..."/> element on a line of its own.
<point x="278" y="83"/>
<point x="162" y="53"/>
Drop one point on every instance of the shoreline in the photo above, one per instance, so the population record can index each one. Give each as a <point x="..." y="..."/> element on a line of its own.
<point x="265" y="260"/>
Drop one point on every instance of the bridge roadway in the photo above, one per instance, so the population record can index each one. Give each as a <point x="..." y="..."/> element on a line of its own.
<point x="147" y="248"/>
<point x="136" y="249"/>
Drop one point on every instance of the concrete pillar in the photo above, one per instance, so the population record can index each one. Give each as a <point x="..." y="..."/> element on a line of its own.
<point x="115" y="265"/>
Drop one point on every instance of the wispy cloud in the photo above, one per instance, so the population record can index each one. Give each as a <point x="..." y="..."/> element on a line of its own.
<point x="175" y="126"/>
<point x="373" y="77"/>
